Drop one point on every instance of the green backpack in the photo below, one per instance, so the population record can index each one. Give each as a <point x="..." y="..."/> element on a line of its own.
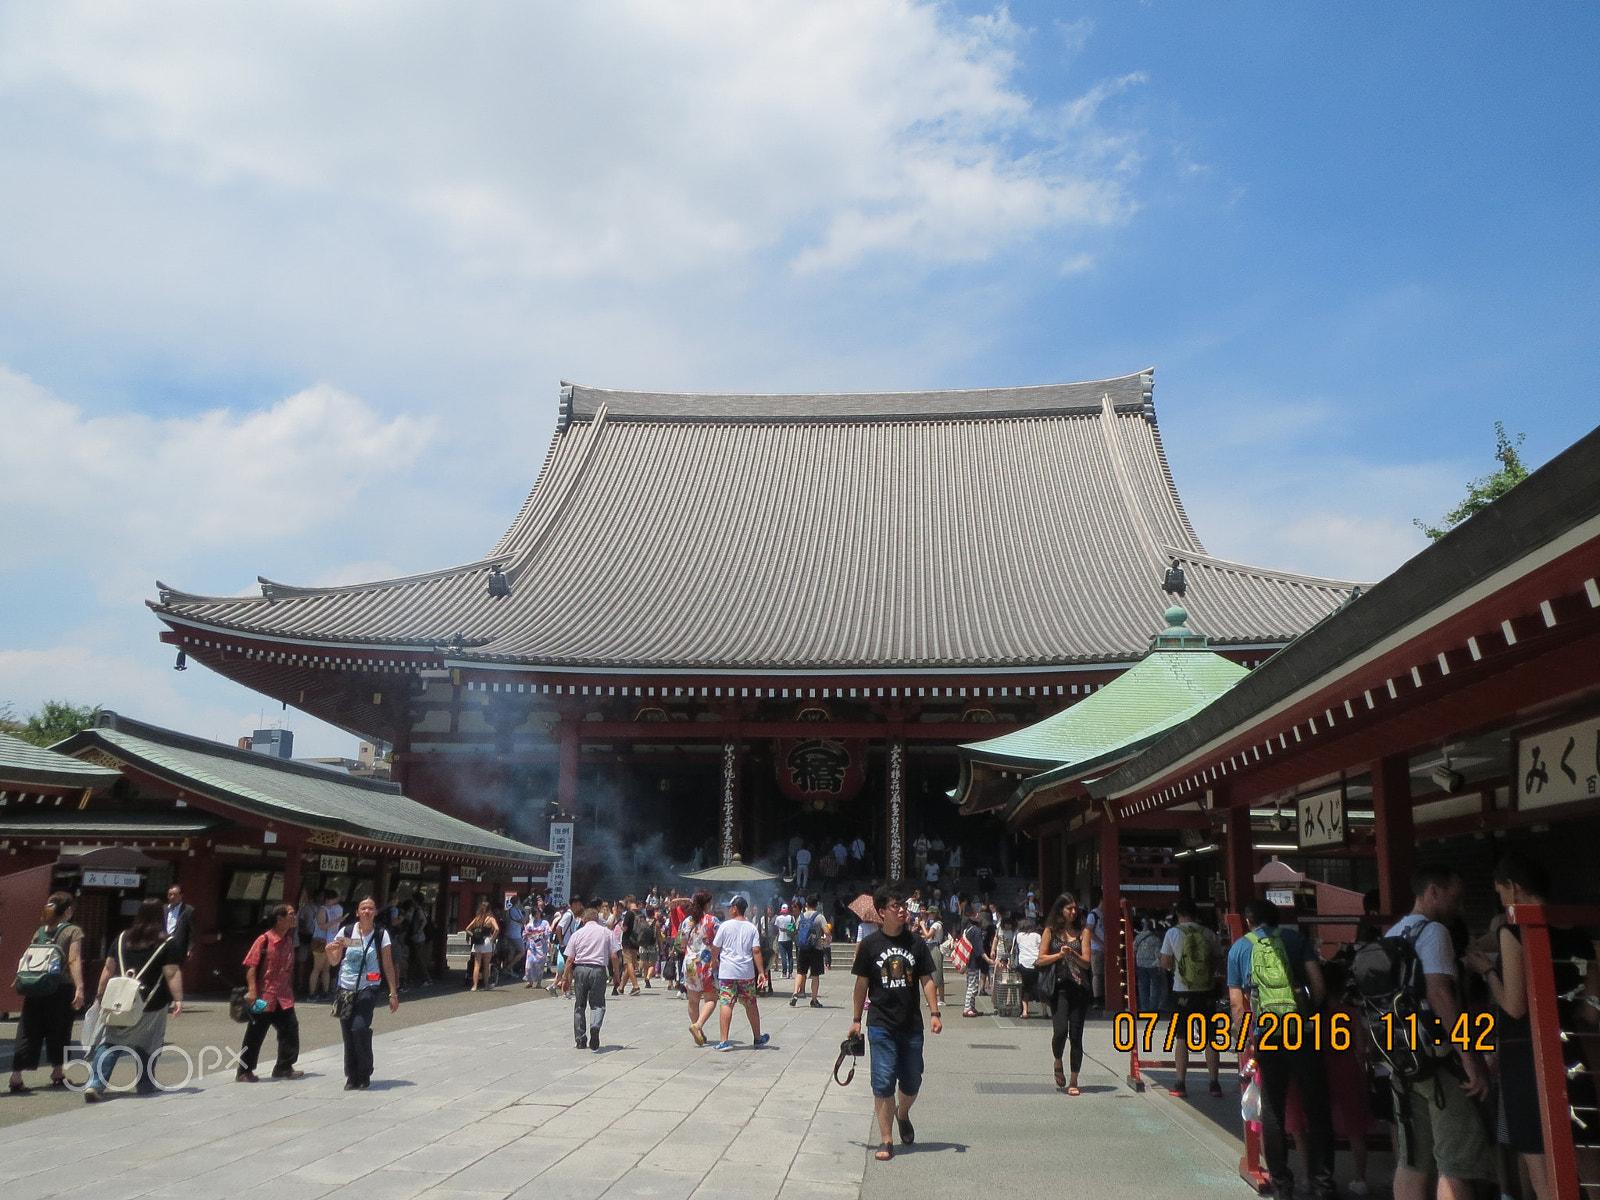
<point x="1271" y="976"/>
<point x="42" y="968"/>
<point x="1193" y="967"/>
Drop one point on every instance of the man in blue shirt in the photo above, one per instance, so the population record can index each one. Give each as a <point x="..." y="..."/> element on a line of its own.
<point x="1277" y="1065"/>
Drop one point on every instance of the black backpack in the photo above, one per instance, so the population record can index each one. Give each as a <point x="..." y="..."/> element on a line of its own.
<point x="1387" y="978"/>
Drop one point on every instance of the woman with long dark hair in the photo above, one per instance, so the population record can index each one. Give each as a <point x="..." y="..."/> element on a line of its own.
<point x="1065" y="944"/>
<point x="144" y="951"/>
<point x="697" y="931"/>
<point x="52" y="995"/>
<point x="483" y="934"/>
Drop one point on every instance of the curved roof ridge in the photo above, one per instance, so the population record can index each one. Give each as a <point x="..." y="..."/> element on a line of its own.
<point x="1228" y="564"/>
<point x="272" y="589"/>
<point x="1128" y="392"/>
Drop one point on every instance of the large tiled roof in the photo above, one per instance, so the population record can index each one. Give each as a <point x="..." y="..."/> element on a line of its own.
<point x="24" y="763"/>
<point x="311" y="797"/>
<point x="1005" y="527"/>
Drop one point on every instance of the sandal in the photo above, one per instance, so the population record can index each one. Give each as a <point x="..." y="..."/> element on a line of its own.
<point x="1061" y="1074"/>
<point x="908" y="1135"/>
<point x="885" y="1152"/>
<point x="1074" y="1090"/>
<point x="970" y="1013"/>
<point x="698" y="1035"/>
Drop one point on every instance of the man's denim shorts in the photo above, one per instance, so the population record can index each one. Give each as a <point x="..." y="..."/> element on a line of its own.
<point x="896" y="1058"/>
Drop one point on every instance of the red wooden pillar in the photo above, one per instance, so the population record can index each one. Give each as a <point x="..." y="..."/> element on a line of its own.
<point x="1239" y="859"/>
<point x="1111" y="912"/>
<point x="291" y="869"/>
<point x="1391" y="803"/>
<point x="567" y="777"/>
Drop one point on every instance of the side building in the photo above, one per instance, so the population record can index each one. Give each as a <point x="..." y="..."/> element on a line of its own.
<point x="122" y="811"/>
<point x="724" y="623"/>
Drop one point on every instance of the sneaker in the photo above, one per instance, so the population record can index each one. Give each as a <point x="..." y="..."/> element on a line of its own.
<point x="816" y="1004"/>
<point x="723" y="1046"/>
<point x="243" y="1076"/>
<point x="1180" y="1090"/>
<point x="763" y="1039"/>
<point x="1358" y="1187"/>
<point x="1216" y="1090"/>
<point x="594" y="1039"/>
<point x="583" y="1043"/>
<point x="793" y="1000"/>
<point x="291" y="1073"/>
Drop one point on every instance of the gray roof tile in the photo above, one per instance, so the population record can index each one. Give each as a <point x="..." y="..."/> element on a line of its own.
<point x="23" y="762"/>
<point x="991" y="528"/>
<point x="312" y="797"/>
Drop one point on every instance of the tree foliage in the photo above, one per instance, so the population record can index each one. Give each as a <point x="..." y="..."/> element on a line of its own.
<point x="1485" y="491"/>
<point x="55" y="721"/>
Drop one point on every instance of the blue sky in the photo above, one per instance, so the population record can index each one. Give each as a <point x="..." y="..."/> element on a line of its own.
<point x="288" y="290"/>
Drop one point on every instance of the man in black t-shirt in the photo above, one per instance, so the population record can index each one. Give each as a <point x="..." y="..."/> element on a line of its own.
<point x="891" y="965"/>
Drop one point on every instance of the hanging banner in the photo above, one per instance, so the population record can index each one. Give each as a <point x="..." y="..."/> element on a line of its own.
<point x="826" y="769"/>
<point x="560" y="883"/>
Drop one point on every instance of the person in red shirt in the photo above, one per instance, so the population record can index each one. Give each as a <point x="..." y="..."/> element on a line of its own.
<point x="269" y="997"/>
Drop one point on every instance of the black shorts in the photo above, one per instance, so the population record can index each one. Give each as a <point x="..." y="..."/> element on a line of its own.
<point x="807" y="960"/>
<point x="1184" y="1003"/>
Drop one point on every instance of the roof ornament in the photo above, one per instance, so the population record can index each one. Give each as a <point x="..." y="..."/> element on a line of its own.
<point x="499" y="585"/>
<point x="1177" y="635"/>
<point x="1174" y="584"/>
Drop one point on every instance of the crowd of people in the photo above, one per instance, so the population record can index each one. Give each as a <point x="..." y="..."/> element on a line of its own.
<point x="1460" y="1113"/>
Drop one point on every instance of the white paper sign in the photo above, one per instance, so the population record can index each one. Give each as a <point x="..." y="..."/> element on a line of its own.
<point x="1320" y="820"/>
<point x="112" y="879"/>
<point x="1559" y="765"/>
<point x="561" y="872"/>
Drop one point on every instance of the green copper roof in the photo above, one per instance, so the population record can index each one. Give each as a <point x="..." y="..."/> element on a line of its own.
<point x="294" y="792"/>
<point x="1164" y="689"/>
<point x="23" y="762"/>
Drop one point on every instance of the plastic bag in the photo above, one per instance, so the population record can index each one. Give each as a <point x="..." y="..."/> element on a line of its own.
<point x="1250" y="1103"/>
<point x="91" y="1025"/>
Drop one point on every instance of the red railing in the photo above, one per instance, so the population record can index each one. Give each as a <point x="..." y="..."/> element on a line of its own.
<point x="1544" y="1018"/>
<point x="1137" y="1065"/>
<point x="1251" y="1168"/>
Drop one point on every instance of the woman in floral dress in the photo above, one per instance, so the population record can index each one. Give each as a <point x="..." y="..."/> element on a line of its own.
<point x="536" y="942"/>
<point x="697" y="931"/>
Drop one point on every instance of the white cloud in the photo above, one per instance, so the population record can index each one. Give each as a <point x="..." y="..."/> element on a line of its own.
<point x="1333" y="516"/>
<point x="148" y="489"/>
<point x="621" y="138"/>
<point x="138" y="686"/>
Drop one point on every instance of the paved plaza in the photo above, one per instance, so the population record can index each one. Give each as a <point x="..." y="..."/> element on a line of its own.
<point x="497" y="1103"/>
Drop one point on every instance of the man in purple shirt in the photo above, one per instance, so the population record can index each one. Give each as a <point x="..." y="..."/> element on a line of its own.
<point x="589" y="954"/>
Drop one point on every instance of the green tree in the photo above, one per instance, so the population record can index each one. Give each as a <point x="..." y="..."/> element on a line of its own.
<point x="1483" y="492"/>
<point x="55" y="721"/>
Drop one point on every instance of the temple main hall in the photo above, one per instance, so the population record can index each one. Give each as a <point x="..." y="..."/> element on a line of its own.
<point x="723" y="622"/>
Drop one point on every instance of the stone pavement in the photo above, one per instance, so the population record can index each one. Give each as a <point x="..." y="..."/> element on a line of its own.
<point x="205" y="1023"/>
<point x="498" y="1103"/>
